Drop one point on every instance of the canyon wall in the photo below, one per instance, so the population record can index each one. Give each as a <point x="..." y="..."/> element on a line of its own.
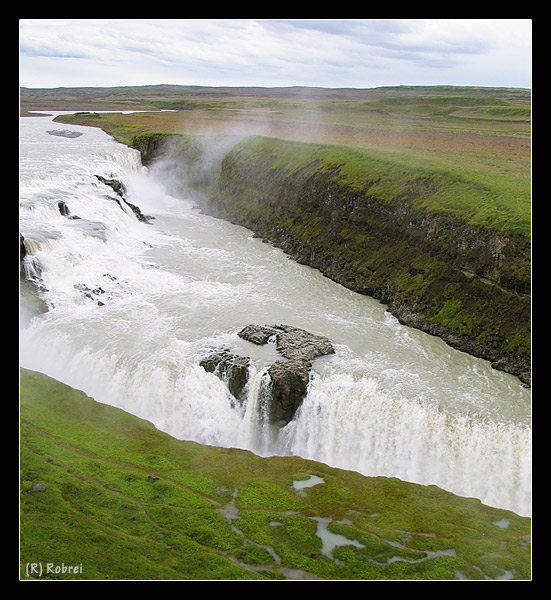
<point x="374" y="233"/>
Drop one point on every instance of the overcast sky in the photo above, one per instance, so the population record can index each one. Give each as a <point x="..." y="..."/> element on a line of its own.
<point x="360" y="53"/>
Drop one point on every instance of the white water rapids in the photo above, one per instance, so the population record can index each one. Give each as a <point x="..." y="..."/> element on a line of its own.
<point x="134" y="306"/>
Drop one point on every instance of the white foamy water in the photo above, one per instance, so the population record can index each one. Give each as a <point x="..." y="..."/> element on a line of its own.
<point x="134" y="307"/>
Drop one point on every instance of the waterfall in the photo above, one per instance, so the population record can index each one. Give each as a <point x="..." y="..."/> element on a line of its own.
<point x="133" y="307"/>
<point x="355" y="425"/>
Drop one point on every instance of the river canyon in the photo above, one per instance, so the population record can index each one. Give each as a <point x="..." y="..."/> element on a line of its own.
<point x="135" y="305"/>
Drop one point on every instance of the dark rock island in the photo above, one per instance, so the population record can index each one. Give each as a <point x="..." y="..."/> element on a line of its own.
<point x="289" y="376"/>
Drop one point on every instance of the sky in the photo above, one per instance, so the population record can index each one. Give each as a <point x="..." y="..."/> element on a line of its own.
<point x="331" y="53"/>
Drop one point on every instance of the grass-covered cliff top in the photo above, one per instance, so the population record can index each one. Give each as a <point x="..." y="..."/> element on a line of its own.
<point x="476" y="196"/>
<point x="471" y="144"/>
<point x="109" y="494"/>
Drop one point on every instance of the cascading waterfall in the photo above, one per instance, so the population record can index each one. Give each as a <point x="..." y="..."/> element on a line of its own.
<point x="257" y="432"/>
<point x="133" y="307"/>
<point x="356" y="425"/>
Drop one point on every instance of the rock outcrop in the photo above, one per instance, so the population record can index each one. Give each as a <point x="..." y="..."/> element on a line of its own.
<point x="120" y="190"/>
<point x="30" y="303"/>
<point x="231" y="368"/>
<point x="288" y="377"/>
<point x="66" y="133"/>
<point x="291" y="342"/>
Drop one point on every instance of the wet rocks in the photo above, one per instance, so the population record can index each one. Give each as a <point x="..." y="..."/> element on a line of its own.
<point x="257" y="334"/>
<point x="291" y="342"/>
<point x="66" y="133"/>
<point x="289" y="382"/>
<point x="90" y="293"/>
<point x="114" y="184"/>
<point x="30" y="303"/>
<point x="119" y="189"/>
<point x="64" y="210"/>
<point x="231" y="368"/>
<point x="289" y="376"/>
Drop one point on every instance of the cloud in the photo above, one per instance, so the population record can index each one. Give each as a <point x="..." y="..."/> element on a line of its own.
<point x="269" y="52"/>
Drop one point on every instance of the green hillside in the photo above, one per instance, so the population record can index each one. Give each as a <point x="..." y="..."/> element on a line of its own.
<point x="114" y="498"/>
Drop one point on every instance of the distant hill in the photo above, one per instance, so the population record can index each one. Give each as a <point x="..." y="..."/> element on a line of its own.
<point x="172" y="91"/>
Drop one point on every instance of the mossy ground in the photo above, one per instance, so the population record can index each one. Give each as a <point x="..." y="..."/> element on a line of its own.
<point x="128" y="502"/>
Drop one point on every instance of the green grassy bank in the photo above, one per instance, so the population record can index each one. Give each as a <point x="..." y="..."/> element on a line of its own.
<point x="110" y="495"/>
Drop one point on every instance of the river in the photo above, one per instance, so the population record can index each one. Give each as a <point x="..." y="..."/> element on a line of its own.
<point x="134" y="306"/>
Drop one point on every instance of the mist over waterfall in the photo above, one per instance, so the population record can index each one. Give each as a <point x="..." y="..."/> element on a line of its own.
<point x="133" y="307"/>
